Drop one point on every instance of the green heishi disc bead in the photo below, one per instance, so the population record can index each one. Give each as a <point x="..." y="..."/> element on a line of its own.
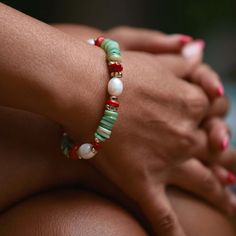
<point x="66" y="152"/>
<point x="66" y="144"/>
<point x="110" y="119"/>
<point x="114" y="57"/>
<point x="113" y="51"/>
<point x="106" y="125"/>
<point x="99" y="137"/>
<point x="110" y="46"/>
<point x="104" y="130"/>
<point x="106" y="136"/>
<point x="107" y="122"/>
<point x="105" y="43"/>
<point x="111" y="113"/>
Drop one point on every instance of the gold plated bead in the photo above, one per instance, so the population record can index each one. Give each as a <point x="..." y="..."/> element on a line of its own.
<point x="111" y="108"/>
<point x="114" y="98"/>
<point x="97" y="140"/>
<point x="93" y="150"/>
<point x="116" y="74"/>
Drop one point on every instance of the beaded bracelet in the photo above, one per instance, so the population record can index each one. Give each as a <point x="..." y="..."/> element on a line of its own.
<point x="76" y="151"/>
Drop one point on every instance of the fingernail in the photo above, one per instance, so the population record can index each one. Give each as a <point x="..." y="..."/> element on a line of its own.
<point x="224" y="144"/>
<point x="201" y="43"/>
<point x="220" y="90"/>
<point x="231" y="178"/>
<point x="193" y="49"/>
<point x="185" y="39"/>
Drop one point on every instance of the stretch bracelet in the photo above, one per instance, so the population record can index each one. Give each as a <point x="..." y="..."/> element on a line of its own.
<point x="75" y="151"/>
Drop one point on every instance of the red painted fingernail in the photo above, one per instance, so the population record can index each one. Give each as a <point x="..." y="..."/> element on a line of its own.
<point x="220" y="90"/>
<point x="224" y="144"/>
<point x="231" y="178"/>
<point x="201" y="43"/>
<point x="185" y="39"/>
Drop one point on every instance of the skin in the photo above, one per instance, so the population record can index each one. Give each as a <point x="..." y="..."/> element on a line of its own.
<point x="72" y="212"/>
<point x="48" y="189"/>
<point x="54" y="86"/>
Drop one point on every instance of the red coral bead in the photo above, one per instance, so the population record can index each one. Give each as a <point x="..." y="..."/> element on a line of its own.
<point x="96" y="146"/>
<point x="73" y="152"/>
<point x="113" y="103"/>
<point x="99" y="41"/>
<point x="115" y="67"/>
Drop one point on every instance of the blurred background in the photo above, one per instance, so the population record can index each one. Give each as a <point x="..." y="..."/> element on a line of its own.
<point x="213" y="21"/>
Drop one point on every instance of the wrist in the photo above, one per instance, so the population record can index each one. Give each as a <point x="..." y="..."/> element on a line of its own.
<point x="83" y="92"/>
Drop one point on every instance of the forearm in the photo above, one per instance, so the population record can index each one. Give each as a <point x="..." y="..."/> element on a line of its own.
<point x="78" y="31"/>
<point x="39" y="65"/>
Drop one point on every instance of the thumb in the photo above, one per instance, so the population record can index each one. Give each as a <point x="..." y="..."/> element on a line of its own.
<point x="158" y="211"/>
<point x="183" y="64"/>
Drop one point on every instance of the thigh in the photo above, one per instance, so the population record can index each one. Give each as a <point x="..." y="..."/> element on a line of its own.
<point x="31" y="163"/>
<point x="30" y="157"/>
<point x="198" y="217"/>
<point x="73" y="212"/>
<point x="69" y="213"/>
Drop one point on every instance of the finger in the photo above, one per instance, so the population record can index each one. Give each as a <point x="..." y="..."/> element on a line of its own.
<point x="228" y="159"/>
<point x="225" y="176"/>
<point x="183" y="65"/>
<point x="207" y="79"/>
<point x="147" y="40"/>
<point x="156" y="207"/>
<point x="202" y="148"/>
<point x="200" y="180"/>
<point x="219" y="107"/>
<point x="218" y="134"/>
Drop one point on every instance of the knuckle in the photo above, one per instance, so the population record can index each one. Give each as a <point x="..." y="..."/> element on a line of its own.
<point x="186" y="138"/>
<point x="196" y="103"/>
<point x="166" y="222"/>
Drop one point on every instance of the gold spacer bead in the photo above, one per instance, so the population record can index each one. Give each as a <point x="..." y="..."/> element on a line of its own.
<point x="114" y="98"/>
<point x="93" y="150"/>
<point x="111" y="108"/>
<point x="116" y="74"/>
<point x="96" y="140"/>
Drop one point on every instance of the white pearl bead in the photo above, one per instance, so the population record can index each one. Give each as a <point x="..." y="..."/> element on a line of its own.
<point x="85" y="151"/>
<point x="91" y="41"/>
<point x="115" y="87"/>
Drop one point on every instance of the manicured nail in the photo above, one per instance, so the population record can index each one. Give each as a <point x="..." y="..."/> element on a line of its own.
<point x="231" y="178"/>
<point x="201" y="43"/>
<point x="220" y="90"/>
<point x="193" y="49"/>
<point x="185" y="39"/>
<point x="224" y="143"/>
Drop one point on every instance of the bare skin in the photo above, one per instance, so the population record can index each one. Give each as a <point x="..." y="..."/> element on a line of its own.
<point x="53" y="79"/>
<point x="30" y="150"/>
<point x="38" y="169"/>
<point x="73" y="212"/>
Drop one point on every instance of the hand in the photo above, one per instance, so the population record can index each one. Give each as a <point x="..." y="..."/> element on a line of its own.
<point x="147" y="40"/>
<point x="169" y="109"/>
<point x="208" y="182"/>
<point x="156" y="42"/>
